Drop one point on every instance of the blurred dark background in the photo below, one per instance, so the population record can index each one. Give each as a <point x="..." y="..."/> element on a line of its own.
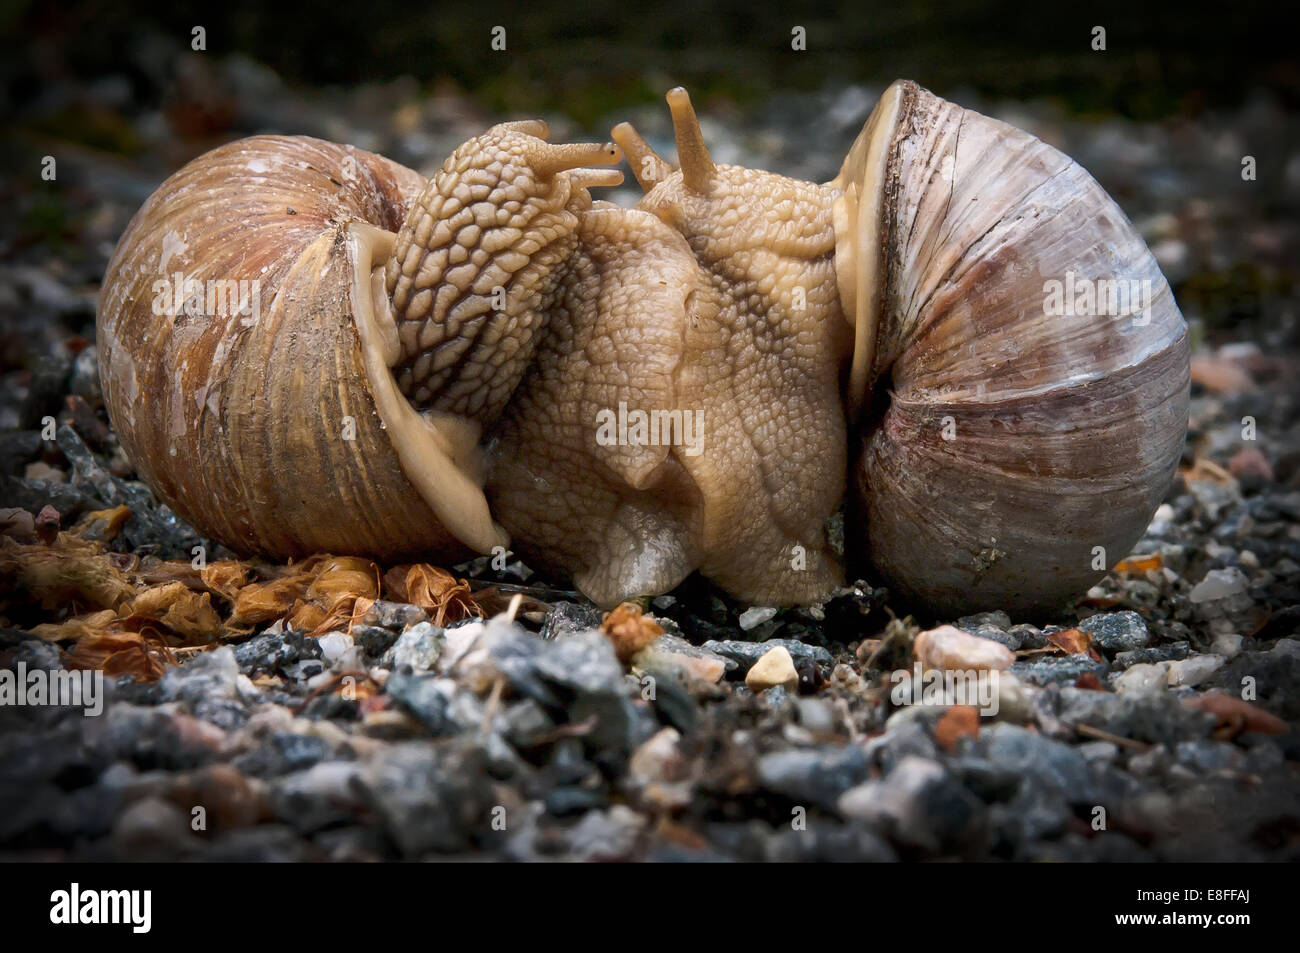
<point x="591" y="56"/>
<point x="1163" y="117"/>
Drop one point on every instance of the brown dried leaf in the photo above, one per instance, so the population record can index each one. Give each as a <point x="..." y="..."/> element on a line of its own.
<point x="78" y="627"/>
<point x="1139" y="564"/>
<point x="340" y="582"/>
<point x="1236" y="715"/>
<point x="268" y="601"/>
<point x="1074" y="642"/>
<point x="434" y="590"/>
<point x="103" y="525"/>
<point x="629" y="630"/>
<point x="189" y="614"/>
<point x="308" y="617"/>
<point x="72" y="571"/>
<point x="226" y="577"/>
<point x="120" y="653"/>
<point x="1205" y="470"/>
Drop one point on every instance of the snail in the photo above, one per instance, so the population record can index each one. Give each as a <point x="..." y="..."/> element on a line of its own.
<point x="960" y="339"/>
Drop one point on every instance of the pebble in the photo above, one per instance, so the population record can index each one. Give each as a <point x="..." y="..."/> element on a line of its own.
<point x="1051" y="669"/>
<point x="1117" y="631"/>
<point x="1193" y="670"/>
<point x="323" y="795"/>
<point x="745" y="654"/>
<point x="1141" y="678"/>
<point x="1159" y="653"/>
<point x="420" y="647"/>
<point x="606" y="835"/>
<point x="949" y="648"/>
<point x="813" y="776"/>
<point x="333" y="645"/>
<point x="429" y="798"/>
<point x="393" y="615"/>
<point x="773" y="669"/>
<point x="1228" y="644"/>
<point x="917" y="804"/>
<point x="699" y="669"/>
<point x="154" y="829"/>
<point x="1029" y="753"/>
<point x="211" y="675"/>
<point x="1219" y="584"/>
<point x="753" y="618"/>
<point x="566" y="618"/>
<point x="816" y="715"/>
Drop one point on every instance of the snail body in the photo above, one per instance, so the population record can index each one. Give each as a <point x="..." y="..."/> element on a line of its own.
<point x="444" y="366"/>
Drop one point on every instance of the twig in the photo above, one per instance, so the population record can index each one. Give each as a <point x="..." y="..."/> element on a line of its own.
<point x="1090" y="732"/>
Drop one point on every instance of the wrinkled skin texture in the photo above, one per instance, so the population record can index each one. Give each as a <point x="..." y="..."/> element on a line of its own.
<point x="713" y="302"/>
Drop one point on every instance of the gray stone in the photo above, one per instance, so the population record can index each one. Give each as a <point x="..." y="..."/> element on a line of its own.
<point x="1052" y="669"/>
<point x="565" y="618"/>
<point x="208" y="676"/>
<point x="1117" y="631"/>
<point x="814" y="776"/>
<point x="420" y="647"/>
<point x="918" y="804"/>
<point x="393" y="615"/>
<point x="1148" y="656"/>
<point x="430" y="798"/>
<point x="1055" y="764"/>
<point x="745" y="654"/>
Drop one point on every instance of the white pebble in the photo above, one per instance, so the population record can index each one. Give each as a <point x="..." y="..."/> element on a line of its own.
<point x="1194" y="670"/>
<point x="756" y="616"/>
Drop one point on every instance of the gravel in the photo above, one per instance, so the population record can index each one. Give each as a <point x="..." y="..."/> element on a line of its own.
<point x="527" y="739"/>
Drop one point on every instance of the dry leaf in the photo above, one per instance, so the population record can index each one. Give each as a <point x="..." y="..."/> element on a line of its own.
<point x="1205" y="470"/>
<point x="225" y="577"/>
<point x="434" y="590"/>
<point x="120" y="653"/>
<point x="1138" y="564"/>
<point x="1236" y="715"/>
<point x="338" y="585"/>
<point x="629" y="630"/>
<point x="71" y="572"/>
<point x="1090" y="681"/>
<point x="174" y="605"/>
<point x="268" y="601"/>
<point x="78" y="627"/>
<point x="1074" y="642"/>
<point x="103" y="525"/>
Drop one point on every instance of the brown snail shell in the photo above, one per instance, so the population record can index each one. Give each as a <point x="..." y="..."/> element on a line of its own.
<point x="268" y="430"/>
<point x="1064" y="429"/>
